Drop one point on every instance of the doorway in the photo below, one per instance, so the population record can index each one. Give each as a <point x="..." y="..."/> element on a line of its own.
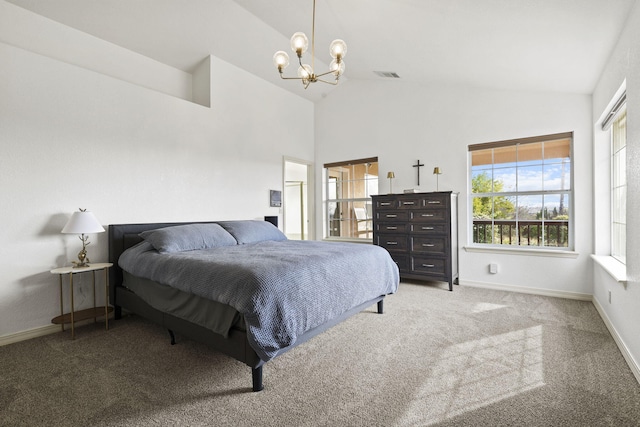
<point x="296" y="196"/>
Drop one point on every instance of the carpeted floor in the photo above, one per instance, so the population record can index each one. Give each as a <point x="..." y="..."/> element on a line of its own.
<point x="471" y="357"/>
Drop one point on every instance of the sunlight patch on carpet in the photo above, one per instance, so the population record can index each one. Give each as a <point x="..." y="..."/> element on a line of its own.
<point x="477" y="373"/>
<point x="486" y="306"/>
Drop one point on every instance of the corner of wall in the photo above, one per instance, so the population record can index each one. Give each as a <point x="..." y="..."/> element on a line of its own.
<point x="201" y="83"/>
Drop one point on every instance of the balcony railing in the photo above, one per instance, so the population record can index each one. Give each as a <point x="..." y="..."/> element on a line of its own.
<point x="549" y="233"/>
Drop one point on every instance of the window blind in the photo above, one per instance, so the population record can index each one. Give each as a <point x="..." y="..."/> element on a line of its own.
<point x="617" y="107"/>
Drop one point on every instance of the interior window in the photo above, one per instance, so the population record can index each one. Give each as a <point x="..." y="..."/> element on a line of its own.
<point x="348" y="189"/>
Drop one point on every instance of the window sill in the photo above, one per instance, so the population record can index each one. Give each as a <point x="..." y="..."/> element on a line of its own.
<point x="526" y="252"/>
<point x="616" y="269"/>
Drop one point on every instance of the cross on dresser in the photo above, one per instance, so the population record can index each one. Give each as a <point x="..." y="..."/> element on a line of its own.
<point x="418" y="165"/>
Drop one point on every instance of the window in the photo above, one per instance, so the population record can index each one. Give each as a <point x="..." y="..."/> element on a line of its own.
<point x="619" y="183"/>
<point x="348" y="189"/>
<point x="521" y="192"/>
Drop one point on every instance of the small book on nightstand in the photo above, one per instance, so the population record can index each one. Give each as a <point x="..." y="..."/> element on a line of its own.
<point x="411" y="190"/>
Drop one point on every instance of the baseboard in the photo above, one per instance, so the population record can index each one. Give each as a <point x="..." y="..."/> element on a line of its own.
<point x="41" y="331"/>
<point x="525" y="290"/>
<point x="27" y="335"/>
<point x="635" y="369"/>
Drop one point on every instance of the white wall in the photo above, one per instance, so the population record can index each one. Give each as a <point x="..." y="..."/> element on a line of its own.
<point x="402" y="122"/>
<point x="22" y="28"/>
<point x="77" y="138"/>
<point x="623" y="312"/>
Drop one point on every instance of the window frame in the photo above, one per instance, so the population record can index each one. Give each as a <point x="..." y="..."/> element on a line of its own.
<point x="618" y="247"/>
<point x="541" y="193"/>
<point x="350" y="200"/>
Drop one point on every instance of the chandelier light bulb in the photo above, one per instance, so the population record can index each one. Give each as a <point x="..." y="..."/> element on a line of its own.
<point x="337" y="67"/>
<point x="281" y="60"/>
<point x="299" y="43"/>
<point x="338" y="48"/>
<point x="305" y="71"/>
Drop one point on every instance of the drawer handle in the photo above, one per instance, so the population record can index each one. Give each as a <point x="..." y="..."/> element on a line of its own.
<point x="427" y="228"/>
<point x="428" y="245"/>
<point x="408" y="203"/>
<point x="428" y="265"/>
<point x="392" y="228"/>
<point x="392" y="216"/>
<point x="427" y="215"/>
<point x="433" y="202"/>
<point x="392" y="243"/>
<point x="385" y="203"/>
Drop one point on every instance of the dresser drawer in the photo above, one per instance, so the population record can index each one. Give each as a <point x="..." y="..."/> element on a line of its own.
<point x="402" y="261"/>
<point x="430" y="215"/>
<point x="384" y="216"/>
<point x="428" y="265"/>
<point x="429" y="228"/>
<point x="435" y="201"/>
<point x="410" y="203"/>
<point x="386" y="203"/>
<point x="392" y="227"/>
<point x="429" y="245"/>
<point x="392" y="242"/>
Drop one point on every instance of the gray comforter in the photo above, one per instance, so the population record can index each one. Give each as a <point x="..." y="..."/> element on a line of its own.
<point x="283" y="288"/>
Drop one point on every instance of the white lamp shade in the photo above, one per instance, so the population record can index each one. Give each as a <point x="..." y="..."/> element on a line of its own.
<point x="82" y="222"/>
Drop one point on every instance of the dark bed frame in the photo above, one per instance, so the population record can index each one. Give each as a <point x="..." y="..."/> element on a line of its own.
<point x="236" y="345"/>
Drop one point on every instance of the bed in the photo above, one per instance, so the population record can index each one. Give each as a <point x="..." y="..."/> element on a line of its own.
<point x="242" y="287"/>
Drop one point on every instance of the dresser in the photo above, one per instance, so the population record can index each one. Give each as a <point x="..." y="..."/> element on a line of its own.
<point x="420" y="231"/>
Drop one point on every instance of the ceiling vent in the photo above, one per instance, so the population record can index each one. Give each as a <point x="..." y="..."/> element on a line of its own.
<point x="387" y="74"/>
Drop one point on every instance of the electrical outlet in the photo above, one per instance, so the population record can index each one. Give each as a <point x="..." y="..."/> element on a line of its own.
<point x="493" y="268"/>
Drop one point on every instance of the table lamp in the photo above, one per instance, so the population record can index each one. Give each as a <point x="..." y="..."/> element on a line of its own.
<point x="436" y="172"/>
<point x="82" y="222"/>
<point x="390" y="175"/>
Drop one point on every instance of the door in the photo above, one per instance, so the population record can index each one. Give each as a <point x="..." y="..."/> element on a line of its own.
<point x="296" y="221"/>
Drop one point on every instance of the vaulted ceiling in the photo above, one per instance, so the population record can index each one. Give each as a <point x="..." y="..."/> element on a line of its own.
<point x="540" y="45"/>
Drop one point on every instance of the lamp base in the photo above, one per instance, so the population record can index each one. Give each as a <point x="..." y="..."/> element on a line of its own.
<point x="77" y="264"/>
<point x="83" y="260"/>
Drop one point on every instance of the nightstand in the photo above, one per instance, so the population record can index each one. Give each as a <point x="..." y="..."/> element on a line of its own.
<point x="95" y="312"/>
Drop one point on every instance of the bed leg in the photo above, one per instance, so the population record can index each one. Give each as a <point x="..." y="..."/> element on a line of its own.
<point x="381" y="306"/>
<point x="256" y="376"/>
<point x="173" y="337"/>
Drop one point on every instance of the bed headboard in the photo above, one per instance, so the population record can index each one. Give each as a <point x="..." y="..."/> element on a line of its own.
<point x="124" y="236"/>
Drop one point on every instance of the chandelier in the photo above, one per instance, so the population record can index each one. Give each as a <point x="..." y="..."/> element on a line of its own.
<point x="306" y="72"/>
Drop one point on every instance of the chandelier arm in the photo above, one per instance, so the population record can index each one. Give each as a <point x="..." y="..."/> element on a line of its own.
<point x="329" y="83"/>
<point x="291" y="78"/>
<point x="328" y="72"/>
